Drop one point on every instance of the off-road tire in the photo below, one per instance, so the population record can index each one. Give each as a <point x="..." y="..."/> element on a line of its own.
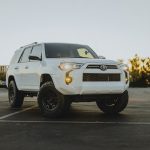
<point x="15" y="96"/>
<point x="119" y="105"/>
<point x="49" y="96"/>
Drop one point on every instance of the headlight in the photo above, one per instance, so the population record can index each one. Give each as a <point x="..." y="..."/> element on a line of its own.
<point x="70" y="66"/>
<point x="123" y="67"/>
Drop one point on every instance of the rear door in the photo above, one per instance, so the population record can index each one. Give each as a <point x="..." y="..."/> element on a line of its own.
<point x="33" y="67"/>
<point x="23" y="67"/>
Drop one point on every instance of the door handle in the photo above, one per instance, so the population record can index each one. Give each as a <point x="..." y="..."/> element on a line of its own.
<point x="16" y="68"/>
<point x="26" y="67"/>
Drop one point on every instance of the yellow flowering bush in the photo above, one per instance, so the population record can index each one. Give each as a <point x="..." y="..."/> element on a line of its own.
<point x="139" y="69"/>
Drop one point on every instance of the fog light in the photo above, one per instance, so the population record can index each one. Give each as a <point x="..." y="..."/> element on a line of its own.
<point x="68" y="80"/>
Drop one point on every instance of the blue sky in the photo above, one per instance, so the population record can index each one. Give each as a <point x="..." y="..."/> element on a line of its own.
<point x="113" y="28"/>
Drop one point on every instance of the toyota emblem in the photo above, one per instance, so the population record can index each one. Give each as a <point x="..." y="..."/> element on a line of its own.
<point x="103" y="67"/>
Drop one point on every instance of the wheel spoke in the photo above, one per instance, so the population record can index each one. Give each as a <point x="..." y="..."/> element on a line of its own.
<point x="50" y="101"/>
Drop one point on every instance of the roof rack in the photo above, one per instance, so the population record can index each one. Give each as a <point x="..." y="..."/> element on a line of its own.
<point x="29" y="44"/>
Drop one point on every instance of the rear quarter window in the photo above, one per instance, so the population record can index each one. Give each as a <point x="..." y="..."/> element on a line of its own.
<point x="15" y="57"/>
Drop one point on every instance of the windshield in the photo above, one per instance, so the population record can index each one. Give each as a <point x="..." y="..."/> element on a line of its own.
<point x="57" y="50"/>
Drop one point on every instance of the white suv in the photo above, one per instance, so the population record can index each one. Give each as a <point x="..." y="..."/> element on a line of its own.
<point x="61" y="73"/>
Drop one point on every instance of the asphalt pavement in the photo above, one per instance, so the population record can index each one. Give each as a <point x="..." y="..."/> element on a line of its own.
<point x="85" y="127"/>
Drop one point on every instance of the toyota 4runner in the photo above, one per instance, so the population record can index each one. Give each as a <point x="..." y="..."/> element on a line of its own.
<point x="60" y="73"/>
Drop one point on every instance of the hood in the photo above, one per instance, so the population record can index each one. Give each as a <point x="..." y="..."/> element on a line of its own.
<point x="84" y="60"/>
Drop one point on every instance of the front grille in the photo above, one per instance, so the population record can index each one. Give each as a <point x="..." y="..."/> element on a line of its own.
<point x="100" y="77"/>
<point x="99" y="66"/>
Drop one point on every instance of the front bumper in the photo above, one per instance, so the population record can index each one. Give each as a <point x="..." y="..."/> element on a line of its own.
<point x="78" y="87"/>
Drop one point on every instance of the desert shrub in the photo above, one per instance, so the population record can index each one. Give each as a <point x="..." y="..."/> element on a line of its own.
<point x="3" y="76"/>
<point x="139" y="69"/>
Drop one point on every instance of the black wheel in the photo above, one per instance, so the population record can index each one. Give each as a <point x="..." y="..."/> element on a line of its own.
<point x="51" y="102"/>
<point x="67" y="105"/>
<point x="15" y="96"/>
<point x="113" y="105"/>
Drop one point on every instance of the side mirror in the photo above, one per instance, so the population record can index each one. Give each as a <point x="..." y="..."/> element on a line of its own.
<point x="31" y="57"/>
<point x="102" y="57"/>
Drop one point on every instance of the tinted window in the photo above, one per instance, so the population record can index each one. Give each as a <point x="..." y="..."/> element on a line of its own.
<point x="25" y="55"/>
<point x="37" y="51"/>
<point x="16" y="57"/>
<point x="55" y="50"/>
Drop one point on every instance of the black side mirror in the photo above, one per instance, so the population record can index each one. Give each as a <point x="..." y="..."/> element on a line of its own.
<point x="101" y="57"/>
<point x="31" y="57"/>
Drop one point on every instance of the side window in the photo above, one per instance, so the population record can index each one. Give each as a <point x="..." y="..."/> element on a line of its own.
<point x="25" y="56"/>
<point x="16" y="57"/>
<point x="37" y="51"/>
